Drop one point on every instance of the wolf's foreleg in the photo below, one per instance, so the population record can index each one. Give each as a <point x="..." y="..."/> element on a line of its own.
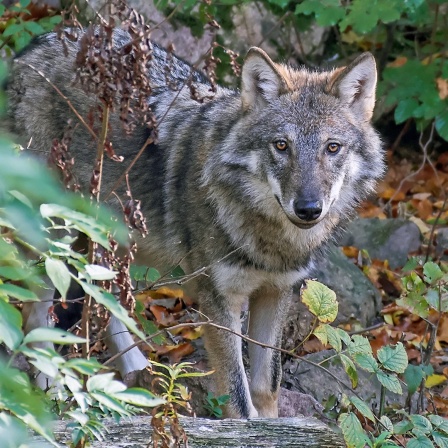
<point x="224" y="350"/>
<point x="268" y="308"/>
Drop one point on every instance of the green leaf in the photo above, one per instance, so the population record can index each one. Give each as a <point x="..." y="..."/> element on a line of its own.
<point x="327" y="12"/>
<point x="440" y="439"/>
<point x="350" y="369"/>
<point x="320" y="300"/>
<point x="366" y="362"/>
<point x="321" y="333"/>
<point x="413" y="376"/>
<point x="55" y="335"/>
<point x="10" y="325"/>
<point x="442" y="125"/>
<point x="13" y="29"/>
<point x="420" y="442"/>
<point x="15" y="273"/>
<point x="110" y="403"/>
<point x="80" y="221"/>
<point x="96" y="272"/>
<point x="25" y="403"/>
<point x="334" y="338"/>
<point x="439" y="423"/>
<point x="432" y="272"/>
<point x="416" y="303"/>
<point x="359" y="344"/>
<point x="363" y="408"/>
<point x="354" y="435"/>
<point x="405" y="109"/>
<point x="139" y="397"/>
<point x="109" y="301"/>
<point x="421" y="423"/>
<point x="393" y="358"/>
<point x="19" y="293"/>
<point x="144" y="273"/>
<point x="59" y="275"/>
<point x="387" y="423"/>
<point x="34" y="27"/>
<point x="389" y="381"/>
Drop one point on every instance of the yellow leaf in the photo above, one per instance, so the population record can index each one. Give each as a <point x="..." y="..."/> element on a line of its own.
<point x="420" y="224"/>
<point x="388" y="318"/>
<point x="434" y="380"/>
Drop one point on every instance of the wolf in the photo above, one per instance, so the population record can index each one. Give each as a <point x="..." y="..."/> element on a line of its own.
<point x="252" y="184"/>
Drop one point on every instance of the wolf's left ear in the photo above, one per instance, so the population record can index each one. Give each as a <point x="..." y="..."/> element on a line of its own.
<point x="261" y="79"/>
<point x="356" y="85"/>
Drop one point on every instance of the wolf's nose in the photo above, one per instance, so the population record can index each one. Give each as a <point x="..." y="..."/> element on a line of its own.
<point x="307" y="210"/>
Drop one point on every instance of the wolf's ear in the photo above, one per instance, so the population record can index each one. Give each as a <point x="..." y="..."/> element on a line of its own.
<point x="261" y="79"/>
<point x="356" y="85"/>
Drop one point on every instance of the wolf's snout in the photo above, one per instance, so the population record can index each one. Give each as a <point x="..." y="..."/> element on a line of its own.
<point x="307" y="210"/>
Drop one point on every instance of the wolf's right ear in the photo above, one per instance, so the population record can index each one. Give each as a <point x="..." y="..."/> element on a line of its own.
<point x="261" y="80"/>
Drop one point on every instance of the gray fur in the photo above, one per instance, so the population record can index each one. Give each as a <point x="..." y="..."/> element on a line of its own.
<point x="215" y="190"/>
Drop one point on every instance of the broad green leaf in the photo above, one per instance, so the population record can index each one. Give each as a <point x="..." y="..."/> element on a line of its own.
<point x="387" y="423"/>
<point x="84" y="366"/>
<point x="442" y="125"/>
<point x="439" y="423"/>
<point x="327" y="12"/>
<point x="19" y="293"/>
<point x="366" y="362"/>
<point x="321" y="333"/>
<point x="420" y="442"/>
<point x="393" y="358"/>
<point x="96" y="272"/>
<point x="390" y="382"/>
<point x="421" y="423"/>
<point x="416" y="303"/>
<point x="59" y="275"/>
<point x="24" y="402"/>
<point x="55" y="335"/>
<point x="432" y="272"/>
<point x="363" y="408"/>
<point x="405" y="110"/>
<point x="10" y="325"/>
<point x="350" y="369"/>
<point x="109" y="301"/>
<point x="13" y="433"/>
<point x="144" y="273"/>
<point x="320" y="300"/>
<point x="84" y="223"/>
<point x="413" y="376"/>
<point x="359" y="344"/>
<point x="139" y="397"/>
<point x="15" y="273"/>
<point x="110" y="403"/>
<point x="103" y="381"/>
<point x="354" y="435"/>
<point x="334" y="338"/>
<point x="440" y="439"/>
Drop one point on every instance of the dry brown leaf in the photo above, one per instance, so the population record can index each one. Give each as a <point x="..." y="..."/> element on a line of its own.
<point x="442" y="87"/>
<point x="398" y="62"/>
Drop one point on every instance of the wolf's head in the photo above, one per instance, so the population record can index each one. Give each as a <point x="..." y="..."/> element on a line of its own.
<point x="307" y="135"/>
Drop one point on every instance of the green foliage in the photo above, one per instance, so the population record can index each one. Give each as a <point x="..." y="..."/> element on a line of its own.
<point x="214" y="405"/>
<point x="355" y="352"/>
<point x="390" y="361"/>
<point x="93" y="396"/>
<point x="425" y="292"/>
<point x="20" y="28"/>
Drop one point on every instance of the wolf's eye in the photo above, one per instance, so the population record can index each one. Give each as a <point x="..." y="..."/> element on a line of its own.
<point x="281" y="145"/>
<point x="333" y="148"/>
